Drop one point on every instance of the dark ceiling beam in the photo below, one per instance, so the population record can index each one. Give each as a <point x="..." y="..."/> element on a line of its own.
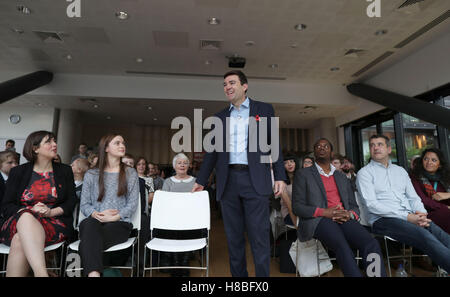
<point x="21" y="85"/>
<point x="425" y="111"/>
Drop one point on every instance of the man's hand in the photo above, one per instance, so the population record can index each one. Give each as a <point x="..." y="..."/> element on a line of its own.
<point x="419" y="218"/>
<point x="329" y="212"/>
<point x="341" y="216"/>
<point x="197" y="188"/>
<point x="279" y="187"/>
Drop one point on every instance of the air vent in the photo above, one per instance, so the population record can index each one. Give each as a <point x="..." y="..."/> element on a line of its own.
<point x="210" y="45"/>
<point x="424" y="29"/>
<point x="409" y="2"/>
<point x="199" y="75"/>
<point x="50" y="37"/>
<point x="354" y="53"/>
<point x="373" y="63"/>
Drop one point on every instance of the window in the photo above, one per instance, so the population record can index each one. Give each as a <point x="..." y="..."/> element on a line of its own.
<point x="419" y="135"/>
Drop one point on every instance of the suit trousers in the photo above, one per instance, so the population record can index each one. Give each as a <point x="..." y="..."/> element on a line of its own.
<point x="341" y="238"/>
<point x="95" y="237"/>
<point x="244" y="210"/>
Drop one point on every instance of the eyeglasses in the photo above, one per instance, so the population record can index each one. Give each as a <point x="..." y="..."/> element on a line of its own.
<point x="325" y="146"/>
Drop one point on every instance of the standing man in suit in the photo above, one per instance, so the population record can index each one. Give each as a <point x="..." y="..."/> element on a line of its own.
<point x="244" y="182"/>
<point x="323" y="199"/>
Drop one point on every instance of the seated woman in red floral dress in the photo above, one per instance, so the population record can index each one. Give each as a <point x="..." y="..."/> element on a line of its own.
<point x="37" y="206"/>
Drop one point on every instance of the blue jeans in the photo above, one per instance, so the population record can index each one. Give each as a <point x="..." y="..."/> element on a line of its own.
<point x="432" y="240"/>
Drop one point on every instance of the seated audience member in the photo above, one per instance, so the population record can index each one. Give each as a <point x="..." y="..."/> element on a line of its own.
<point x="141" y="168"/>
<point x="414" y="161"/>
<point x="93" y="159"/>
<point x="290" y="165"/>
<point x="395" y="209"/>
<point x="79" y="168"/>
<point x="431" y="180"/>
<point x="146" y="191"/>
<point x="10" y="146"/>
<point x="7" y="162"/>
<point x="153" y="173"/>
<point x="108" y="200"/>
<point x="337" y="161"/>
<point x="180" y="182"/>
<point x="307" y="162"/>
<point x="349" y="170"/>
<point x="82" y="152"/>
<point x="128" y="159"/>
<point x="38" y="204"/>
<point x="323" y="199"/>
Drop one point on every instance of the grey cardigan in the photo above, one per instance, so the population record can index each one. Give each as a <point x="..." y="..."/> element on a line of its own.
<point x="126" y="204"/>
<point x="308" y="193"/>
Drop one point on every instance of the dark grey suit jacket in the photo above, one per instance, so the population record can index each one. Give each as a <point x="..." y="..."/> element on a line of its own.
<point x="308" y="193"/>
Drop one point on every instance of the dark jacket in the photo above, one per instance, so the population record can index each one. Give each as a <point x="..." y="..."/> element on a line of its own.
<point x="19" y="178"/>
<point x="260" y="175"/>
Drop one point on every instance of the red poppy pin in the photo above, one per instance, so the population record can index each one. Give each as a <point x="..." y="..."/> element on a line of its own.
<point x="257" y="118"/>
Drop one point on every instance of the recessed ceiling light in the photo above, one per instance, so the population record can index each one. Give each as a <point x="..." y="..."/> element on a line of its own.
<point x="250" y="43"/>
<point x="334" y="69"/>
<point x="23" y="9"/>
<point x="16" y="30"/>
<point x="293" y="45"/>
<point x="121" y="15"/>
<point x="139" y="60"/>
<point x="300" y="27"/>
<point x="213" y="21"/>
<point x="68" y="57"/>
<point x="381" y="32"/>
<point x="95" y="106"/>
<point x="108" y="117"/>
<point x="149" y="108"/>
<point x="273" y="66"/>
<point x="208" y="62"/>
<point x="155" y="119"/>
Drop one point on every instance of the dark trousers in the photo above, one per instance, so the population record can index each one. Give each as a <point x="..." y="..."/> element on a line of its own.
<point x="95" y="237"/>
<point x="341" y="238"/>
<point x="243" y="210"/>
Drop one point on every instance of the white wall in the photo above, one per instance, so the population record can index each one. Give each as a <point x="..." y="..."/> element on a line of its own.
<point x="33" y="119"/>
<point x="69" y="134"/>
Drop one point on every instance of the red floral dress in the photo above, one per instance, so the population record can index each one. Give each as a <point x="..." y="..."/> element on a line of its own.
<point x="40" y="189"/>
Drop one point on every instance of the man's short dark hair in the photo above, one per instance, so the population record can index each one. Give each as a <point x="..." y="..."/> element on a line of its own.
<point x="10" y="141"/>
<point x="329" y="142"/>
<point x="347" y="158"/>
<point x="240" y="74"/>
<point x="386" y="139"/>
<point x="32" y="143"/>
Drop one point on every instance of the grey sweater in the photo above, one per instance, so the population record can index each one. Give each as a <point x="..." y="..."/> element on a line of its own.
<point x="126" y="204"/>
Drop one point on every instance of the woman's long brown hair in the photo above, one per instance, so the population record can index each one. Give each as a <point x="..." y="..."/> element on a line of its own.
<point x="101" y="164"/>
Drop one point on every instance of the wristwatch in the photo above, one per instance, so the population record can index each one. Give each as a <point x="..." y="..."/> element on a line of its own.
<point x="352" y="216"/>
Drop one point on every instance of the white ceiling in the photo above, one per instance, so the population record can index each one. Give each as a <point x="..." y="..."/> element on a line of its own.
<point x="166" y="34"/>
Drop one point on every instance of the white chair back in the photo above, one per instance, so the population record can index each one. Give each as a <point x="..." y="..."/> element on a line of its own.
<point x="180" y="211"/>
<point x="135" y="218"/>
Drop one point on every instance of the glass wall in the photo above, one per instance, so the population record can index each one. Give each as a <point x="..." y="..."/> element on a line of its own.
<point x="419" y="135"/>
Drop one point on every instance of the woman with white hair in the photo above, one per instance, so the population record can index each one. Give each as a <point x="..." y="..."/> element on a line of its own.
<point x="180" y="182"/>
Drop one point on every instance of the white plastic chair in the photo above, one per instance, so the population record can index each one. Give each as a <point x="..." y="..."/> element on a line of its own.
<point x="132" y="241"/>
<point x="179" y="211"/>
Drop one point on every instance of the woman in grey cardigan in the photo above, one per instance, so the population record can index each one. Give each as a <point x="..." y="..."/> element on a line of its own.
<point x="108" y="200"/>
